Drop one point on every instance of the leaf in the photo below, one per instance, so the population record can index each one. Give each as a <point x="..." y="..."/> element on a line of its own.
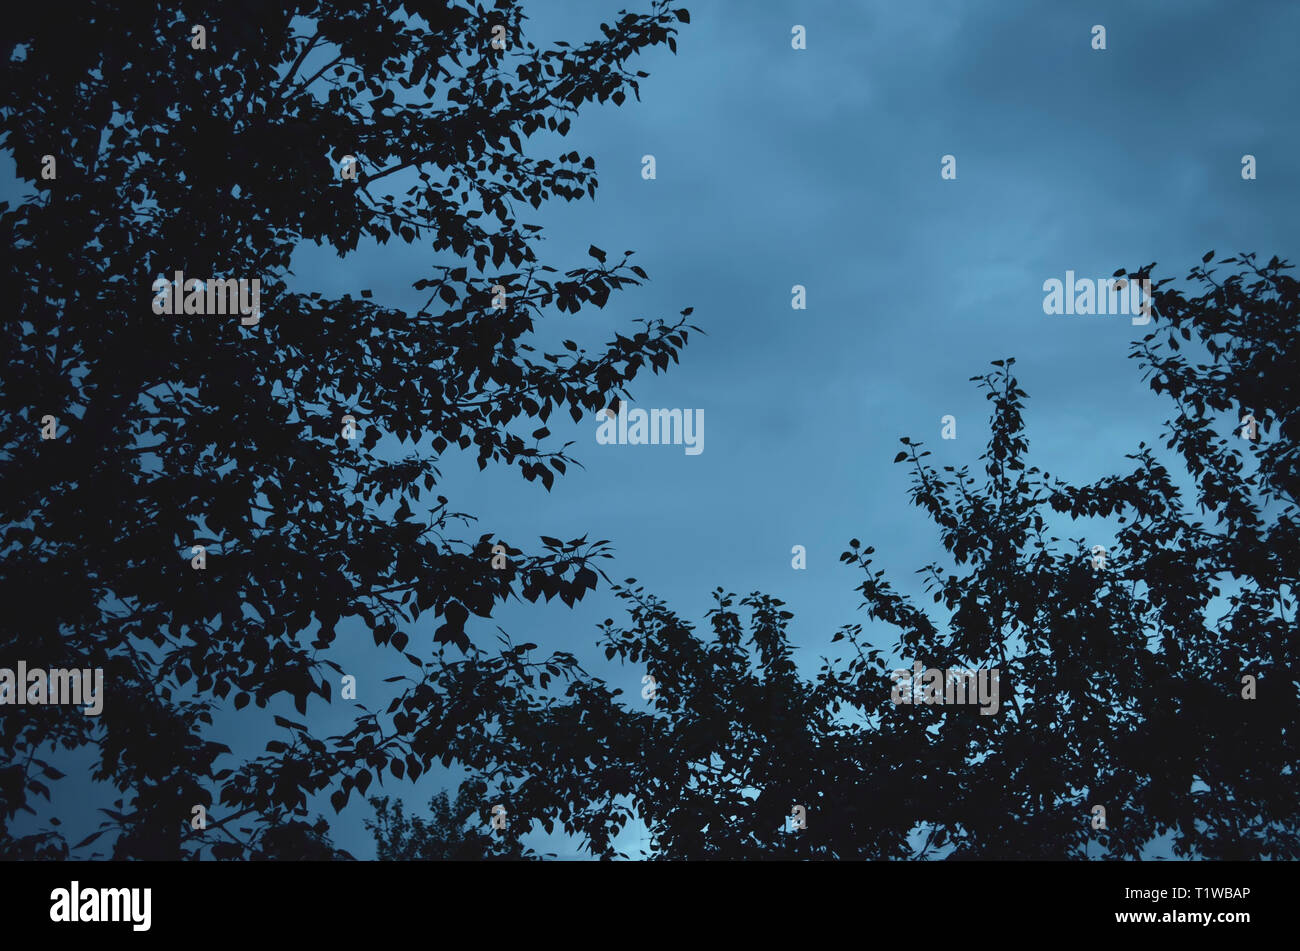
<point x="596" y="253"/>
<point x="89" y="839"/>
<point x="900" y="457"/>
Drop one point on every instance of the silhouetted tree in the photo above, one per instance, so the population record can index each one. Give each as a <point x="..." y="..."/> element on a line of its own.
<point x="451" y="831"/>
<point x="49" y="844"/>
<point x="217" y="155"/>
<point x="299" y="841"/>
<point x="1121" y="679"/>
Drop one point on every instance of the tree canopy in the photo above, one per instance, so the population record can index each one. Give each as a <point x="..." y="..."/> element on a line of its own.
<point x="452" y="831"/>
<point x="210" y="505"/>
<point x="213" y="141"/>
<point x="1155" y="681"/>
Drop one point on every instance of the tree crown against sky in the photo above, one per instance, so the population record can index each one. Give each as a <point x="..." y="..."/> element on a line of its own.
<point x="1157" y="683"/>
<point x="453" y="830"/>
<point x="216" y="156"/>
<point x="102" y="499"/>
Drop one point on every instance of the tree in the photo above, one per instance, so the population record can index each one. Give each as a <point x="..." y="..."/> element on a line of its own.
<point x="294" y="840"/>
<point x="1155" y="680"/>
<point x="452" y="831"/>
<point x="215" y="148"/>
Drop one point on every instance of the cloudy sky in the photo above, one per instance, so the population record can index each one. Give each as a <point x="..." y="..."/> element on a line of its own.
<point x="821" y="167"/>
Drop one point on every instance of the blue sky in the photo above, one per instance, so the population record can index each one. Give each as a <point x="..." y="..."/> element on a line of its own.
<point x="821" y="167"/>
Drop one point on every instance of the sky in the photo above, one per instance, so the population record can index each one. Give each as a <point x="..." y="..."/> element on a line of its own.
<point x="821" y="167"/>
